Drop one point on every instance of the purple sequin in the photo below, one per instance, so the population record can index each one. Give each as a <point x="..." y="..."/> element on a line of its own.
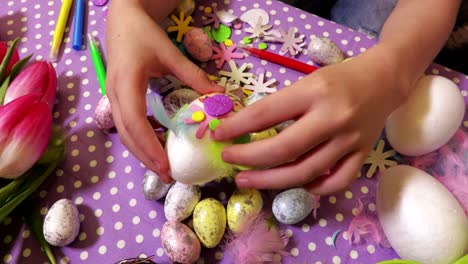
<point x="218" y="105"/>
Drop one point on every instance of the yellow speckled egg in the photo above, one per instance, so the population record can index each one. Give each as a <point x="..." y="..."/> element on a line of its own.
<point x="263" y="134"/>
<point x="242" y="203"/>
<point x="209" y="222"/>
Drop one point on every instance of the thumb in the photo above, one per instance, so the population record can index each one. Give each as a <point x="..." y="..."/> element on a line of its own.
<point x="193" y="76"/>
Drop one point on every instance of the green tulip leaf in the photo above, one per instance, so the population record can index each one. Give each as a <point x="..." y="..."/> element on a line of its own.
<point x="7" y="59"/>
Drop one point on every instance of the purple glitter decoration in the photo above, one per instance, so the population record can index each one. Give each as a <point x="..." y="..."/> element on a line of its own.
<point x="218" y="105"/>
<point x="100" y="2"/>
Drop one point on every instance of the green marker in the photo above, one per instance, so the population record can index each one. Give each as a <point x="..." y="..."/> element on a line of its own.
<point x="98" y="65"/>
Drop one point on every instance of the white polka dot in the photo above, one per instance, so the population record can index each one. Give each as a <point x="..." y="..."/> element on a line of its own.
<point x="26" y="252"/>
<point x="364" y="189"/>
<point x="320" y="23"/>
<point x="118" y="225"/>
<point x="305" y="228"/>
<point x="86" y="94"/>
<point x="277" y="22"/>
<point x="7" y="239"/>
<point x="112" y="175"/>
<point x="60" y="189"/>
<point x="76" y="167"/>
<point x="339" y="217"/>
<point x="120" y="244"/>
<point x="282" y="70"/>
<point x="7" y="258"/>
<point x="353" y="254"/>
<point x="136" y="220"/>
<point x="79" y="200"/>
<point x="345" y="235"/>
<point x="336" y="260"/>
<point x="26" y="233"/>
<point x="332" y="199"/>
<point x="290" y="19"/>
<point x="329" y="241"/>
<point x="130" y="185"/>
<point x="350" y="53"/>
<point x="339" y="31"/>
<point x="84" y="255"/>
<point x="96" y="195"/>
<point x="307" y="26"/>
<point x="152" y="214"/>
<point x="156" y="232"/>
<point x="113" y="191"/>
<point x="94" y="179"/>
<point x="98" y="212"/>
<point x="312" y="246"/>
<point x="128" y="169"/>
<point x="322" y="222"/>
<point x="371" y="206"/>
<point x="348" y="194"/>
<point x="77" y="183"/>
<point x="287" y="82"/>
<point x="289" y="232"/>
<point x="362" y="50"/>
<point x="102" y="250"/>
<point x="371" y="249"/>
<point x="326" y="34"/>
<point x="132" y="202"/>
<point x="91" y="148"/>
<point x="100" y="231"/>
<point x="160" y="252"/>
<point x="82" y="236"/>
<point x="109" y="159"/>
<point x="294" y="252"/>
<point x="139" y="239"/>
<point x="64" y="260"/>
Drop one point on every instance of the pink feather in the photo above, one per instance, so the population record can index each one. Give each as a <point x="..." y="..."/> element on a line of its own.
<point x="366" y="227"/>
<point x="257" y="241"/>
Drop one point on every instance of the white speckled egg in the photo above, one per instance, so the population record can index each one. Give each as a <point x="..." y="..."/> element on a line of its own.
<point x="181" y="199"/>
<point x="180" y="243"/>
<point x="209" y="222"/>
<point x="429" y="118"/>
<point x="421" y="219"/>
<point x="198" y="44"/>
<point x="177" y="99"/>
<point x="292" y="206"/>
<point x="61" y="223"/>
<point x="153" y="186"/>
<point x="103" y="114"/>
<point x="324" y="51"/>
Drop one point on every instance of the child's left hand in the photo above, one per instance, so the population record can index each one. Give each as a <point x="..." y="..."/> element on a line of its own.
<point x="340" y="111"/>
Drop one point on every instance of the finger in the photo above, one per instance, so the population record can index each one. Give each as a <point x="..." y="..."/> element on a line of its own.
<point x="340" y="177"/>
<point x="128" y="104"/>
<point x="264" y="114"/>
<point x="297" y="173"/>
<point x="287" y="146"/>
<point x="188" y="72"/>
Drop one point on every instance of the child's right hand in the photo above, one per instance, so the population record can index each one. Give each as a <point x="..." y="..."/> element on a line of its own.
<point x="138" y="49"/>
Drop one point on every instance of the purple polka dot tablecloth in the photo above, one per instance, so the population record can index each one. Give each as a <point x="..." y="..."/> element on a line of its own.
<point x="105" y="181"/>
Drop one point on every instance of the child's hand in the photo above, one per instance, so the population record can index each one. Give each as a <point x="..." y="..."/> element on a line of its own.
<point x="137" y="50"/>
<point x="340" y="112"/>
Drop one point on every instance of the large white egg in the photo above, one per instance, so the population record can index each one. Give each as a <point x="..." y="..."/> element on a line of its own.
<point x="196" y="161"/>
<point x="421" y="219"/>
<point x="61" y="223"/>
<point x="429" y="118"/>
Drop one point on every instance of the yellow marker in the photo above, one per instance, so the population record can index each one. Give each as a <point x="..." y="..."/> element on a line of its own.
<point x="60" y="28"/>
<point x="198" y="116"/>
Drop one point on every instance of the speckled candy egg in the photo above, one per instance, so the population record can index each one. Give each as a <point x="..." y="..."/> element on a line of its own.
<point x="180" y="201"/>
<point x="243" y="202"/>
<point x="198" y="44"/>
<point x="153" y="186"/>
<point x="103" y="114"/>
<point x="292" y="206"/>
<point x="179" y="242"/>
<point x="61" y="223"/>
<point x="324" y="51"/>
<point x="194" y="157"/>
<point x="178" y="98"/>
<point x="209" y="222"/>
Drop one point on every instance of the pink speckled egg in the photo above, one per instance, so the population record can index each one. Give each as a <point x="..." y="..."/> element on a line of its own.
<point x="103" y="114"/>
<point x="198" y="44"/>
<point x="180" y="243"/>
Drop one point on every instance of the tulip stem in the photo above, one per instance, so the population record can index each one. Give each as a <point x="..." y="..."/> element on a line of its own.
<point x="7" y="59"/>
<point x="3" y="89"/>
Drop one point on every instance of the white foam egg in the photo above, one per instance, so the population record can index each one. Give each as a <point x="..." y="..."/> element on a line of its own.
<point x="428" y="119"/>
<point x="196" y="161"/>
<point x="421" y="219"/>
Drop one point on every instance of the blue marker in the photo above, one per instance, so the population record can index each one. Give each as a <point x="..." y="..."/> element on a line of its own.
<point x="78" y="24"/>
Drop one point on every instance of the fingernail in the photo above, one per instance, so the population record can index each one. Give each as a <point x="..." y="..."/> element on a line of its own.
<point x="242" y="180"/>
<point x="226" y="155"/>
